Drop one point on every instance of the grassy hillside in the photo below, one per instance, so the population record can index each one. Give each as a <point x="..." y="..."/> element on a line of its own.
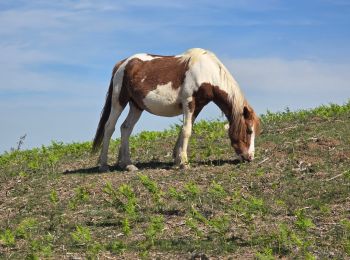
<point x="293" y="201"/>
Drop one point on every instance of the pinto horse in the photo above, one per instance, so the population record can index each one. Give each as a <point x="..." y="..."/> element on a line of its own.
<point x="170" y="86"/>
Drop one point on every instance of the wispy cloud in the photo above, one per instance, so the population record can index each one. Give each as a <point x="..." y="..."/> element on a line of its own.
<point x="279" y="82"/>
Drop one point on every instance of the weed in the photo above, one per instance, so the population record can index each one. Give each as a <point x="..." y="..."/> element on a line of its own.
<point x="191" y="190"/>
<point x="81" y="235"/>
<point x="346" y="235"/>
<point x="93" y="250"/>
<point x="195" y="214"/>
<point x="178" y="195"/>
<point x="113" y="195"/>
<point x="193" y="225"/>
<point x="122" y="198"/>
<point x="41" y="247"/>
<point x="81" y="195"/>
<point x="8" y="237"/>
<point x="347" y="175"/>
<point x="126" y="226"/>
<point x="116" y="247"/>
<point x="217" y="191"/>
<point x="246" y="208"/>
<point x="302" y="222"/>
<point x="25" y="228"/>
<point x="54" y="197"/>
<point x="220" y="225"/>
<point x="266" y="254"/>
<point x="154" y="229"/>
<point x="153" y="188"/>
<point x="130" y="205"/>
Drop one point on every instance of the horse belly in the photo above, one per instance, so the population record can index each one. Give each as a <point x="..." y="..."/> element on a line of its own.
<point x="163" y="101"/>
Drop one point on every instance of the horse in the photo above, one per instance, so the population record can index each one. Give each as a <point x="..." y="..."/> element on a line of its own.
<point x="170" y="86"/>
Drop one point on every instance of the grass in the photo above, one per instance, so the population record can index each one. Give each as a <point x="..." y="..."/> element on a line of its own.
<point x="291" y="202"/>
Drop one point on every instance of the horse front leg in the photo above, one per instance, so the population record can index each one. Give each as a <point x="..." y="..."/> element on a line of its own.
<point x="180" y="150"/>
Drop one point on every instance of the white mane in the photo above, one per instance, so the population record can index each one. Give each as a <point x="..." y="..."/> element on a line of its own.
<point x="220" y="76"/>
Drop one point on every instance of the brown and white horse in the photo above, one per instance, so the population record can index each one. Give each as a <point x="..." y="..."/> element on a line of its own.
<point x="170" y="86"/>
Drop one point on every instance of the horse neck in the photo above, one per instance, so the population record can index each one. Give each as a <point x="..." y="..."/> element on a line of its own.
<point x="226" y="104"/>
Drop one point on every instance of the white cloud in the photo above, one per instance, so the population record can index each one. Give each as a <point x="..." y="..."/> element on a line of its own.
<point x="276" y="83"/>
<point x="275" y="74"/>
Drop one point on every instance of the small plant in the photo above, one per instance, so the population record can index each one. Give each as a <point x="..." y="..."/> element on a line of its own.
<point x="54" y="197"/>
<point x="81" y="195"/>
<point x="193" y="225"/>
<point x="347" y="175"/>
<point x="266" y="254"/>
<point x="7" y="237"/>
<point x="288" y="239"/>
<point x="247" y="207"/>
<point x="153" y="188"/>
<point x="198" y="216"/>
<point x="217" y="191"/>
<point x="93" y="250"/>
<point x="126" y="226"/>
<point x="81" y="235"/>
<point x="302" y="222"/>
<point x="130" y="205"/>
<point x="116" y="247"/>
<point x="113" y="195"/>
<point x="24" y="228"/>
<point x="124" y="199"/>
<point x="191" y="190"/>
<point x="178" y="195"/>
<point x="155" y="228"/>
<point x="220" y="225"/>
<point x="41" y="247"/>
<point x="346" y="235"/>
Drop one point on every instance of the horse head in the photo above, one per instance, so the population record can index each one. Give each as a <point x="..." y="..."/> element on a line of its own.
<point x="242" y="132"/>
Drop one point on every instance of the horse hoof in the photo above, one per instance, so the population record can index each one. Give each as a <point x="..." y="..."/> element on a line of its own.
<point x="185" y="166"/>
<point x="103" y="168"/>
<point x="131" y="168"/>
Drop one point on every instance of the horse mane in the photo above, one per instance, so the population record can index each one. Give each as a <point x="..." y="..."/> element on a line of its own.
<point x="227" y="83"/>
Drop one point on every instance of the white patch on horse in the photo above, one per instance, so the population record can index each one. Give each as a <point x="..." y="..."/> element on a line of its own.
<point x="163" y="101"/>
<point x="205" y="67"/>
<point x="142" y="80"/>
<point x="251" y="149"/>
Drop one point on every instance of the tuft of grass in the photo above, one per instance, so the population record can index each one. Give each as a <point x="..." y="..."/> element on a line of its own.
<point x="81" y="235"/>
<point x="7" y="237"/>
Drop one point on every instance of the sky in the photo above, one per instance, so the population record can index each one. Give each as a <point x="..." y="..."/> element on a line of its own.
<point x="56" y="57"/>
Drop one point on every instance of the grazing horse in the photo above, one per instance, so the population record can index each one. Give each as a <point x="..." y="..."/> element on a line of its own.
<point x="170" y="86"/>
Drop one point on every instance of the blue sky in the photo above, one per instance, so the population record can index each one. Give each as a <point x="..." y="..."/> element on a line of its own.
<point x="56" y="56"/>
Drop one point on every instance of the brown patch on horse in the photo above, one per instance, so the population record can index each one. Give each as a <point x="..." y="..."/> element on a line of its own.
<point x="239" y="120"/>
<point x="207" y="93"/>
<point x="191" y="106"/>
<point x="141" y="77"/>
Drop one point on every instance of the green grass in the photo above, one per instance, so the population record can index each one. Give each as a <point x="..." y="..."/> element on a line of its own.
<point x="292" y="201"/>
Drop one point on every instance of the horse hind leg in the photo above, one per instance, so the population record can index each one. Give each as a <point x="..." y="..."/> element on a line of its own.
<point x="126" y="128"/>
<point x="116" y="110"/>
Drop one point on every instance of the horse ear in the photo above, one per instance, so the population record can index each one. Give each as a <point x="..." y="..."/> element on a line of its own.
<point x="247" y="112"/>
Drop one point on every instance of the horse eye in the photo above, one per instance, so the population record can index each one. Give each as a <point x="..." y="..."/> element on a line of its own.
<point x="249" y="130"/>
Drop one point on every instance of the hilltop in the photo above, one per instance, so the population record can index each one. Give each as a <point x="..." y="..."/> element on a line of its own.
<point x="292" y="201"/>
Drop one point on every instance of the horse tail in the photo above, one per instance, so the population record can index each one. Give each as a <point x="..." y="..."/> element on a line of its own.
<point x="103" y="119"/>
